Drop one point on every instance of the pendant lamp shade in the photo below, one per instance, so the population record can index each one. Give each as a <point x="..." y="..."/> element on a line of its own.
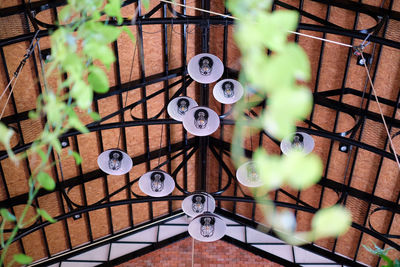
<point x="201" y="121"/>
<point x="205" y="68"/>
<point x="228" y="91"/>
<point x="115" y="162"/>
<point x="198" y="203"/>
<point x="247" y="175"/>
<point x="299" y="141"/>
<point x="178" y="106"/>
<point x="207" y="227"/>
<point x="156" y="183"/>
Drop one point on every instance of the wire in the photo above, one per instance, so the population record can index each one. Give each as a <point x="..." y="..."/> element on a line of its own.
<point x="198" y="9"/>
<point x="21" y="65"/>
<point x="380" y="110"/>
<point x="232" y="17"/>
<point x="127" y="93"/>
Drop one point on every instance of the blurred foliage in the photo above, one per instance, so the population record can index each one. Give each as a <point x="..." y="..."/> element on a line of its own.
<point x="275" y="69"/>
<point x="80" y="49"/>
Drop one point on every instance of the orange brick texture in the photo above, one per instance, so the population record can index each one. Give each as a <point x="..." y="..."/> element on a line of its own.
<point x="214" y="254"/>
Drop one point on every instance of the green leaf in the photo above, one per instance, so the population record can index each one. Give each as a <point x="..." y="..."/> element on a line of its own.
<point x="33" y="115"/>
<point x="95" y="116"/>
<point x="45" y="215"/>
<point x="129" y="32"/>
<point x="83" y="94"/>
<point x="77" y="157"/>
<point x="22" y="258"/>
<point x="278" y="124"/>
<point x="299" y="100"/>
<point x="5" y="134"/>
<point x="98" y="80"/>
<point x="42" y="155"/>
<point x="99" y="51"/>
<point x="65" y="14"/>
<point x="332" y="221"/>
<point x="46" y="181"/>
<point x="276" y="28"/>
<point x="146" y="4"/>
<point x="302" y="171"/>
<point x="270" y="169"/>
<point x="113" y="9"/>
<point x="7" y="215"/>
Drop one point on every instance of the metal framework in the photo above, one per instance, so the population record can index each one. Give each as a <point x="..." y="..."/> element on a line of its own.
<point x="218" y="147"/>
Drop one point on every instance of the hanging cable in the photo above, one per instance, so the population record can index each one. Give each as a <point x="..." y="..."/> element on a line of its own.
<point x="127" y="93"/>
<point x="379" y="107"/>
<point x="232" y="17"/>
<point x="21" y="65"/>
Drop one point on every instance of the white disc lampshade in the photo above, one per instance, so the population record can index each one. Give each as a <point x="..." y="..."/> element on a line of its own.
<point x="298" y="141"/>
<point x="115" y="162"/>
<point x="228" y="91"/>
<point x="247" y="175"/>
<point x="178" y="106"/>
<point x="201" y="121"/>
<point x="198" y="203"/>
<point x="156" y="183"/>
<point x="205" y="68"/>
<point x="207" y="227"/>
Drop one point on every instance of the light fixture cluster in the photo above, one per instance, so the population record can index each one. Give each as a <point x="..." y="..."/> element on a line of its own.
<point x="205" y="225"/>
<point x="299" y="141"/>
<point x="198" y="120"/>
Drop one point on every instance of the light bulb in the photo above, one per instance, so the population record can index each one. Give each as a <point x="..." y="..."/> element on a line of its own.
<point x="298" y="142"/>
<point x="200" y="118"/>
<point x="252" y="175"/>
<point x="205" y="66"/>
<point x="228" y="89"/>
<point x="115" y="158"/>
<point x="207" y="226"/>
<point x="198" y="203"/>
<point x="157" y="181"/>
<point x="183" y="106"/>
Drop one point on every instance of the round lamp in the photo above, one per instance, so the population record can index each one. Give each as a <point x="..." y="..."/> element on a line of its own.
<point x="247" y="175"/>
<point x="156" y="183"/>
<point x="198" y="203"/>
<point x="207" y="227"/>
<point x="228" y="91"/>
<point x="299" y="141"/>
<point x="201" y="121"/>
<point x="115" y="162"/>
<point x="205" y="68"/>
<point x="178" y="106"/>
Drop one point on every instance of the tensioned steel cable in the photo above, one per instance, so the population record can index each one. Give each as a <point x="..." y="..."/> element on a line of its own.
<point x="21" y="65"/>
<point x="380" y="109"/>
<point x="232" y="17"/>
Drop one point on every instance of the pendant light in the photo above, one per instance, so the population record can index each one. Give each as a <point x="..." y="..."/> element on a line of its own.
<point x="156" y="183"/>
<point x="198" y="203"/>
<point x="115" y="162"/>
<point x="178" y="106"/>
<point x="205" y="68"/>
<point x="228" y="91"/>
<point x="299" y="141"/>
<point x="207" y="227"/>
<point x="247" y="175"/>
<point x="201" y="121"/>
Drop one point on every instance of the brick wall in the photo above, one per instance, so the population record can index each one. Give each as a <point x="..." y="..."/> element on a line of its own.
<point x="214" y="254"/>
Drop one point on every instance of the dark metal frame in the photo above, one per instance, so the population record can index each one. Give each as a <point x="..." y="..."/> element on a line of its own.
<point x="217" y="146"/>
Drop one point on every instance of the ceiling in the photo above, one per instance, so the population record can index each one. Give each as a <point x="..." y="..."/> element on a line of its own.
<point x="92" y="207"/>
